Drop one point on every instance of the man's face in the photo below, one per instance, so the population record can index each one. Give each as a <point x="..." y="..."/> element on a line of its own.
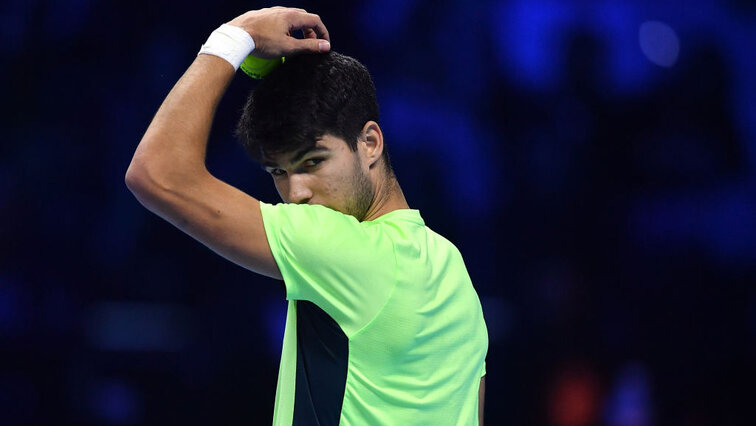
<point x="329" y="174"/>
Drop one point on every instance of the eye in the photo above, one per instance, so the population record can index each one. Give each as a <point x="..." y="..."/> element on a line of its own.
<point x="312" y="162"/>
<point x="277" y="172"/>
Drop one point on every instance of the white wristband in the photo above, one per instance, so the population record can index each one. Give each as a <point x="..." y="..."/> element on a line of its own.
<point x="230" y="43"/>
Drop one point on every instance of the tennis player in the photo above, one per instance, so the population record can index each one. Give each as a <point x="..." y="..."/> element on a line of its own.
<point x="384" y="326"/>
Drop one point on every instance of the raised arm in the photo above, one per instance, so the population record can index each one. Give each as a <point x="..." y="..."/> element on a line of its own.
<point x="167" y="173"/>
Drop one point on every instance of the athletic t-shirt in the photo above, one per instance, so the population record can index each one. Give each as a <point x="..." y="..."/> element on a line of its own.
<point x="383" y="325"/>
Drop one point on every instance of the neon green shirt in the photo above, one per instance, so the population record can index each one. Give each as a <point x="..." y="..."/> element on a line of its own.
<point x="383" y="326"/>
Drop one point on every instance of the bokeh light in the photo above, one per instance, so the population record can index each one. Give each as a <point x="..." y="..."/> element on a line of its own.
<point x="659" y="42"/>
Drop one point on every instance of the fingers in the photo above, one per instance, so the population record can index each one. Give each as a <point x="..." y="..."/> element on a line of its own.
<point x="309" y="33"/>
<point x="298" y="23"/>
<point x="273" y="29"/>
<point x="308" y="45"/>
<point x="301" y="20"/>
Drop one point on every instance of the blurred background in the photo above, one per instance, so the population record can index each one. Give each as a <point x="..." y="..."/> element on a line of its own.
<point x="594" y="161"/>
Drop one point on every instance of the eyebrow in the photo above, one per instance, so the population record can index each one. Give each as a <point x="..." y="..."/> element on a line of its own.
<point x="300" y="154"/>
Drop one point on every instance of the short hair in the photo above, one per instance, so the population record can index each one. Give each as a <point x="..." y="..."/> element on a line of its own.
<point x="310" y="95"/>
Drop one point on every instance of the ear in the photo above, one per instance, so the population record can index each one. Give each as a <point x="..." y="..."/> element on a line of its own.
<point x="372" y="140"/>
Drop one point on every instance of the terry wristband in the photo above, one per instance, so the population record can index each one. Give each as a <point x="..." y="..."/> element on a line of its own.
<point x="230" y="43"/>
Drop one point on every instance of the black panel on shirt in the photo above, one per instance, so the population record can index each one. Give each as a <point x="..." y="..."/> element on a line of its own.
<point x="322" y="355"/>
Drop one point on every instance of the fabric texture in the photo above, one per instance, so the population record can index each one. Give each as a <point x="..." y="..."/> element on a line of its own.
<point x="402" y="297"/>
<point x="229" y="42"/>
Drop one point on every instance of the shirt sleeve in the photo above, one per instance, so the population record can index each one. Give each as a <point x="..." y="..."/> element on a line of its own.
<point x="345" y="267"/>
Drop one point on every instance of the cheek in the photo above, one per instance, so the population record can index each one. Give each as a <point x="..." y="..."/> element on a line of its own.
<point x="326" y="182"/>
<point x="332" y="188"/>
<point x="339" y="184"/>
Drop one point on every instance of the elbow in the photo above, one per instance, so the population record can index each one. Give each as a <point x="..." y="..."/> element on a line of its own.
<point x="154" y="184"/>
<point x="149" y="190"/>
<point x="136" y="178"/>
<point x="143" y="183"/>
<point x="131" y="179"/>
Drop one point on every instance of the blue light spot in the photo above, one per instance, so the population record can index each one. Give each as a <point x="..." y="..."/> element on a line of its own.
<point x="659" y="42"/>
<point x="630" y="401"/>
<point x="527" y="42"/>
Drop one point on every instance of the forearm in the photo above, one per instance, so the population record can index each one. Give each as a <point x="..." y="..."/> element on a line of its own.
<point x="172" y="150"/>
<point x="168" y="173"/>
<point x="174" y="145"/>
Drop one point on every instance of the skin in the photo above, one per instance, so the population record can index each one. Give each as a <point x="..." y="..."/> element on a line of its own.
<point x="331" y="174"/>
<point x="168" y="174"/>
<point x="327" y="175"/>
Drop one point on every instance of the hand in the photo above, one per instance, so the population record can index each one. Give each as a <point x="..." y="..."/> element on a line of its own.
<point x="271" y="30"/>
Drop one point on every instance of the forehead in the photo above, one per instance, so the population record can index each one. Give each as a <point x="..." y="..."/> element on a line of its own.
<point x="324" y="144"/>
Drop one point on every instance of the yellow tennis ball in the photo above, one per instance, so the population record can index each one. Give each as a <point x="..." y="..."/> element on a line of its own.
<point x="258" y="67"/>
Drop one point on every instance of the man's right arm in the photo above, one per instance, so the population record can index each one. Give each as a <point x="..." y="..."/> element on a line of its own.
<point x="168" y="174"/>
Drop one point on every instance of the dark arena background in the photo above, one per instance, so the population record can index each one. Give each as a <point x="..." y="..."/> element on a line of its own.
<point x="593" y="160"/>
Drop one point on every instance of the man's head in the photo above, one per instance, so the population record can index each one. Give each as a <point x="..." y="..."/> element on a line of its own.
<point x="313" y="124"/>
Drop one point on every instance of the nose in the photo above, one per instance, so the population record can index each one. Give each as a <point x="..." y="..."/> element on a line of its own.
<point x="299" y="192"/>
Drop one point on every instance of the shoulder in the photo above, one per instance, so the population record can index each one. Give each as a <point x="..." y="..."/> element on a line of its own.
<point x="322" y="232"/>
<point x="316" y="219"/>
<point x="304" y="211"/>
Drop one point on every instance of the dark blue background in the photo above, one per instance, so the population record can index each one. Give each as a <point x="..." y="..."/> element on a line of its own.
<point x="593" y="161"/>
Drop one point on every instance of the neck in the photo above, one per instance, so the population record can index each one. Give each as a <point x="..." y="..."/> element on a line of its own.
<point x="388" y="197"/>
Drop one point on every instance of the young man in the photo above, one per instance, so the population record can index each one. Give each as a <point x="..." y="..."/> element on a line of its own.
<point x="383" y="326"/>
